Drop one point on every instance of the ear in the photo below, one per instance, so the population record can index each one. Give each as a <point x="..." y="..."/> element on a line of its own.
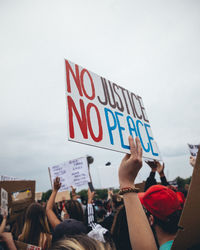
<point x="151" y="220"/>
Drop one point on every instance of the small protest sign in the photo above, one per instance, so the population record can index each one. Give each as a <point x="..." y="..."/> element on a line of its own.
<point x="104" y="114"/>
<point x="71" y="173"/>
<point x="193" y="149"/>
<point x="62" y="196"/>
<point x="38" y="196"/>
<point x="23" y="246"/>
<point x="4" y="202"/>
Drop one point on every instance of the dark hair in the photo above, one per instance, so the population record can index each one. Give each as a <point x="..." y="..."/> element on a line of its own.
<point x="170" y="225"/>
<point x="119" y="230"/>
<point x="117" y="200"/>
<point x="35" y="224"/>
<point x="75" y="210"/>
<point x="101" y="213"/>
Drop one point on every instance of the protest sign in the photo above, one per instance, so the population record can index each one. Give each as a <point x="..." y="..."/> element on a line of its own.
<point x="23" y="246"/>
<point x="71" y="173"/>
<point x="103" y="114"/>
<point x="4" y="202"/>
<point x="62" y="196"/>
<point x="188" y="234"/>
<point x="14" y="187"/>
<point x="38" y="196"/>
<point x="193" y="149"/>
<point x="8" y="178"/>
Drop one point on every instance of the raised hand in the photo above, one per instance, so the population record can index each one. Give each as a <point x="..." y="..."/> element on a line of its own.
<point x="90" y="196"/>
<point x="130" y="164"/>
<point x="160" y="168"/>
<point x="57" y="184"/>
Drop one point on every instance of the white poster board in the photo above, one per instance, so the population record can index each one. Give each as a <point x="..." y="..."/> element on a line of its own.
<point x="193" y="149"/>
<point x="71" y="173"/>
<point x="4" y="202"/>
<point x="8" y="178"/>
<point x="103" y="114"/>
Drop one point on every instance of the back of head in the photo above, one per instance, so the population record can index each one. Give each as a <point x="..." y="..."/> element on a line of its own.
<point x="35" y="224"/>
<point x="80" y="242"/>
<point x="119" y="230"/>
<point x="68" y="228"/>
<point x="75" y="210"/>
<point x="117" y="200"/>
<point x="163" y="204"/>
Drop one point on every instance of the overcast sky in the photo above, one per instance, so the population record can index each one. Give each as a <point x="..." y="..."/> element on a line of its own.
<point x="149" y="47"/>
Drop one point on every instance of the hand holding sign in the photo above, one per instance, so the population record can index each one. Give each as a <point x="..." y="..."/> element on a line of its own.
<point x="130" y="164"/>
<point x="57" y="184"/>
<point x="160" y="168"/>
<point x="152" y="165"/>
<point x="90" y="196"/>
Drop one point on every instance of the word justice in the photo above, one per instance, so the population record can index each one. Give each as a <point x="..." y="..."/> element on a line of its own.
<point x="120" y="98"/>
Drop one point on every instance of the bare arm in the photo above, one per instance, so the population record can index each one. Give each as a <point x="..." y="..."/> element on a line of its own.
<point x="8" y="239"/>
<point x="54" y="221"/>
<point x="3" y="224"/>
<point x="140" y="233"/>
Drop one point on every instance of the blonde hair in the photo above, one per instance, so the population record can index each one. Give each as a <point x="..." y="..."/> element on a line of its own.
<point x="81" y="242"/>
<point x="35" y="224"/>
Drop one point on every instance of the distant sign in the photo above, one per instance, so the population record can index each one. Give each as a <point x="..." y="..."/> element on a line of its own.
<point x="193" y="149"/>
<point x="72" y="173"/>
<point x="103" y="114"/>
<point x="8" y="178"/>
<point x="4" y="202"/>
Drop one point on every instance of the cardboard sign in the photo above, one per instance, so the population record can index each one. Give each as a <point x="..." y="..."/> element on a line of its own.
<point x="15" y="207"/>
<point x="23" y="246"/>
<point x="4" y="202"/>
<point x="188" y="236"/>
<point x="103" y="114"/>
<point x="62" y="196"/>
<point x="193" y="149"/>
<point x="38" y="196"/>
<point x="72" y="173"/>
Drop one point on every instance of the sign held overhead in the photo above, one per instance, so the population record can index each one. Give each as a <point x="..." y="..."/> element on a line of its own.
<point x="71" y="173"/>
<point x="103" y="114"/>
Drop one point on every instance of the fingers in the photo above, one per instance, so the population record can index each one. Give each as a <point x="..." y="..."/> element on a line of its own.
<point x="132" y="145"/>
<point x="57" y="179"/>
<point x="138" y="147"/>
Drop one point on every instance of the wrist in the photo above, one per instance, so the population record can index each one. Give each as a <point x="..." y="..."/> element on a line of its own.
<point x="126" y="184"/>
<point x="161" y="174"/>
<point x="89" y="201"/>
<point x="153" y="170"/>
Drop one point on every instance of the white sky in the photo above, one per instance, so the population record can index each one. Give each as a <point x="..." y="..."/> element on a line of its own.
<point x="149" y="47"/>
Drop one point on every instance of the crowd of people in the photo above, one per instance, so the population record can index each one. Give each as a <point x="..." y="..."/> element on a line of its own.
<point x="127" y="220"/>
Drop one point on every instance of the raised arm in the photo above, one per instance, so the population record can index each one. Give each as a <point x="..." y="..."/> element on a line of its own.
<point x="140" y="233"/>
<point x="3" y="223"/>
<point x="54" y="221"/>
<point x="160" y="170"/>
<point x="150" y="181"/>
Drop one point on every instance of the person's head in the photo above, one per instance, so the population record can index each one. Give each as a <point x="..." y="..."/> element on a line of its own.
<point x="68" y="228"/>
<point x="35" y="224"/>
<point x="117" y="200"/>
<point x="162" y="208"/>
<point x="101" y="214"/>
<point x="74" y="210"/>
<point x="80" y="242"/>
<point x="119" y="230"/>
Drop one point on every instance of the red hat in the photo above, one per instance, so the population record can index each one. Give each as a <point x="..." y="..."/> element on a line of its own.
<point x="181" y="198"/>
<point x="160" y="201"/>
